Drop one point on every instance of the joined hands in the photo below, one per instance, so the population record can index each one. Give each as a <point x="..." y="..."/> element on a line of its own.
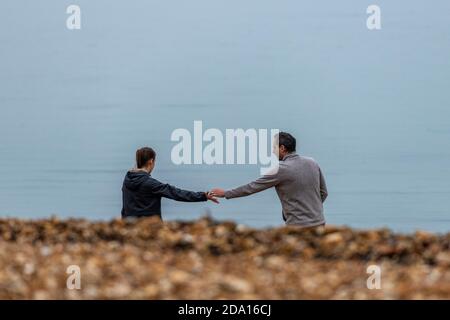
<point x="217" y="192"/>
<point x="211" y="196"/>
<point x="214" y="194"/>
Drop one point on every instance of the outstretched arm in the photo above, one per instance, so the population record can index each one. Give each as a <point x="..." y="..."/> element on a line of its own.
<point x="168" y="191"/>
<point x="258" y="185"/>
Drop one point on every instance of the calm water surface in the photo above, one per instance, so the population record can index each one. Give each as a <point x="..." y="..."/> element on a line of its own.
<point x="373" y="108"/>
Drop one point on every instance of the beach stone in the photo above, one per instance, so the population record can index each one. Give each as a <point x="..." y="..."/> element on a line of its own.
<point x="207" y="259"/>
<point x="234" y="284"/>
<point x="443" y="258"/>
<point x="179" y="277"/>
<point x="333" y="239"/>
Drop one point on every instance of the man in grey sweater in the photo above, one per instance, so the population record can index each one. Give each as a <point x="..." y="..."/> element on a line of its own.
<point x="299" y="183"/>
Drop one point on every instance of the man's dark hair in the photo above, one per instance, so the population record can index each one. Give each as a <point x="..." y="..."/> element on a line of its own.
<point x="143" y="155"/>
<point x="287" y="140"/>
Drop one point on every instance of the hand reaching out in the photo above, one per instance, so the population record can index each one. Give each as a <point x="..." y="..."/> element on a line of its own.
<point x="220" y="193"/>
<point x="211" y="196"/>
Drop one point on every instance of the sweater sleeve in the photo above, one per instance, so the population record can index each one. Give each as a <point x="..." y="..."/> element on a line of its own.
<point x="323" y="187"/>
<point x="260" y="184"/>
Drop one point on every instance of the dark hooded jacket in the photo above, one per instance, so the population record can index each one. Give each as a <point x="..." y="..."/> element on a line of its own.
<point x="141" y="195"/>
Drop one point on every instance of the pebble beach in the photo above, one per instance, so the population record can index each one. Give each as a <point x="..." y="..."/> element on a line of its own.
<point x="207" y="259"/>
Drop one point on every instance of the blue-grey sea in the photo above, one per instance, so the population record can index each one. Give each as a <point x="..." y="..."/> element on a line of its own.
<point x="372" y="107"/>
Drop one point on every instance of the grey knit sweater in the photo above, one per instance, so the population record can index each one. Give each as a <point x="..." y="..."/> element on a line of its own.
<point x="300" y="185"/>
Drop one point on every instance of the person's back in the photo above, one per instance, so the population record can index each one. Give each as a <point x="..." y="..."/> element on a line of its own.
<point x="302" y="190"/>
<point x="299" y="183"/>
<point x="141" y="194"/>
<point x="137" y="202"/>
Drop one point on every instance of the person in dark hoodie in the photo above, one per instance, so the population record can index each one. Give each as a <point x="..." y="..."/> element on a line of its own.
<point x="141" y="194"/>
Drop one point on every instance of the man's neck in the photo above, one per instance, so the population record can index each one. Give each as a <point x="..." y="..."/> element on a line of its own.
<point x="288" y="154"/>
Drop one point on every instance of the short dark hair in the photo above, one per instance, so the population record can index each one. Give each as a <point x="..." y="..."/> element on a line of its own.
<point x="143" y="155"/>
<point x="287" y="140"/>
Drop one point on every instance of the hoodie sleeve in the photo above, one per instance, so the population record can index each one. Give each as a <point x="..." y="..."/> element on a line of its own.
<point x="167" y="191"/>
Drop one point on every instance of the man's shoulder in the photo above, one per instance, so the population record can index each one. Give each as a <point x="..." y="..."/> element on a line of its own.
<point x="280" y="169"/>
<point x="308" y="159"/>
<point x="303" y="162"/>
<point x="296" y="158"/>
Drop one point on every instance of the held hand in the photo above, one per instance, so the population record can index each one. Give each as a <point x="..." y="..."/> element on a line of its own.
<point x="211" y="196"/>
<point x="220" y="193"/>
